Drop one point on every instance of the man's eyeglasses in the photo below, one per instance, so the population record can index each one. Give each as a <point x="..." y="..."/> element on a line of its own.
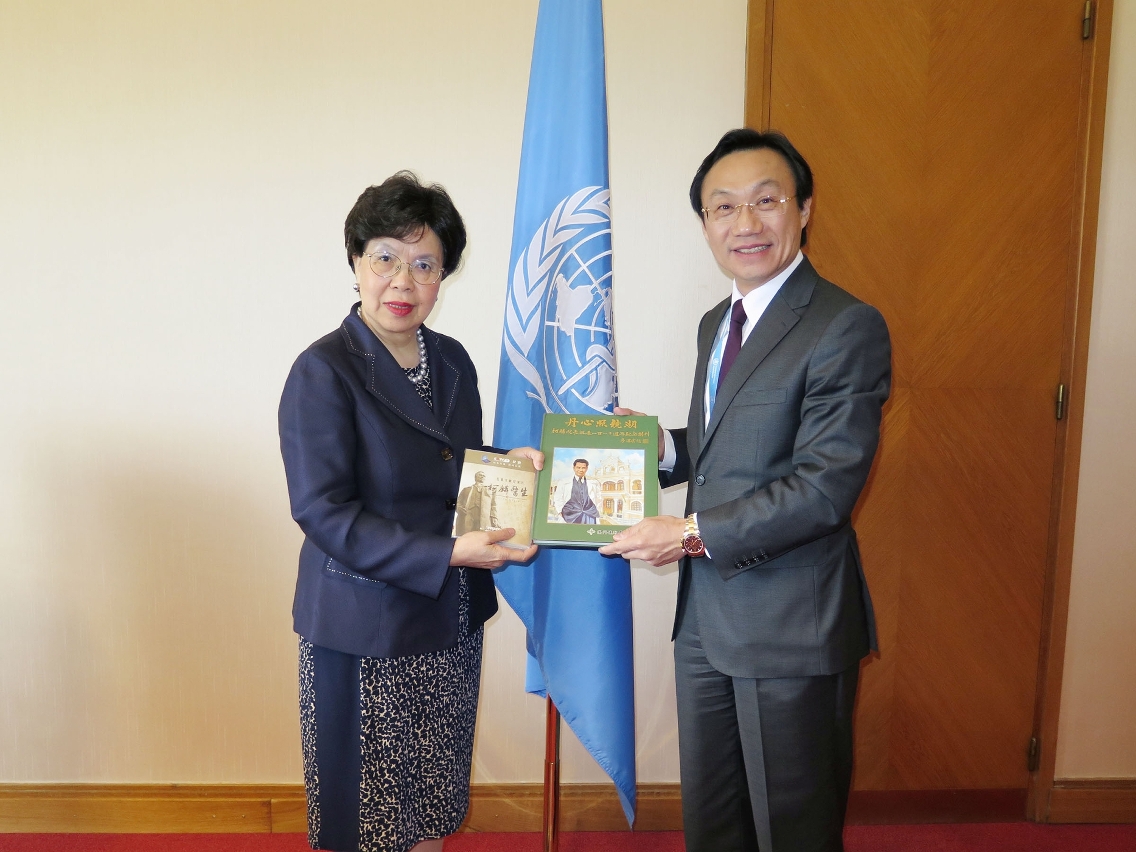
<point x="766" y="207"/>
<point x="386" y="265"/>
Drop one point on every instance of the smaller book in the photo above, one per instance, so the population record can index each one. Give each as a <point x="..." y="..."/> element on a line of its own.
<point x="600" y="476"/>
<point x="496" y="492"/>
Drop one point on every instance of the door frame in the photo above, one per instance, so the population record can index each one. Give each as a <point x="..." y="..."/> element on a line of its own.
<point x="1074" y="360"/>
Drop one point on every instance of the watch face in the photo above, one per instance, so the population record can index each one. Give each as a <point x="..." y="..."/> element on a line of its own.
<point x="692" y="545"/>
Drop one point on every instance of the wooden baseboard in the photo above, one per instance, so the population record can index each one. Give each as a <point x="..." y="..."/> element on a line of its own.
<point x="238" y="808"/>
<point x="234" y="808"/>
<point x="915" y="807"/>
<point x="1093" y="800"/>
<point x="151" y="808"/>
<point x="583" y="807"/>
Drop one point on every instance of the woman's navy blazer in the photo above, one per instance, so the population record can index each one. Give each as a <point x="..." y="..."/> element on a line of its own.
<point x="372" y="479"/>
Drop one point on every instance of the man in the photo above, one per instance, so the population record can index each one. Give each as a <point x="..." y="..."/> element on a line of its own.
<point x="773" y="611"/>
<point x="575" y="496"/>
<point x="477" y="507"/>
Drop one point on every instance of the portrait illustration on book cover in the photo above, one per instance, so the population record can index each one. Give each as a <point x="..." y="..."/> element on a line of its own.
<point x="596" y="485"/>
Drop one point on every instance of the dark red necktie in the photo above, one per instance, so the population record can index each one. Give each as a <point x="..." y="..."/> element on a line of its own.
<point x="734" y="341"/>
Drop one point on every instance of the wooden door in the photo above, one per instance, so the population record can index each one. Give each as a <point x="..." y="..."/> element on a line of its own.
<point x="944" y="138"/>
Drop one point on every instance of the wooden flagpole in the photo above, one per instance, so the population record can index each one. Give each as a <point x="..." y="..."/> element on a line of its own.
<point x="551" y="778"/>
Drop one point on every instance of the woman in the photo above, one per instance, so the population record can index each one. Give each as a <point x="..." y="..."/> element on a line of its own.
<point x="374" y="421"/>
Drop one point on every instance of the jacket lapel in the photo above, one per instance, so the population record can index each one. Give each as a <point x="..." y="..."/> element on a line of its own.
<point x="783" y="313"/>
<point x="444" y="379"/>
<point x="387" y="383"/>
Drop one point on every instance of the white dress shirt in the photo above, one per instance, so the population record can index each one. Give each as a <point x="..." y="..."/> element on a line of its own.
<point x="755" y="301"/>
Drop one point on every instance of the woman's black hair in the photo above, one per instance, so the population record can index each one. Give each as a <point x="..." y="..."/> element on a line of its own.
<point x="401" y="207"/>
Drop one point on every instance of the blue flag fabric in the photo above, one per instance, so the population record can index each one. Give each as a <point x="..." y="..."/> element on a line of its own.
<point x="558" y="356"/>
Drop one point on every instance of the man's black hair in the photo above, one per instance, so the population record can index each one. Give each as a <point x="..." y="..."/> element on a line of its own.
<point x="745" y="139"/>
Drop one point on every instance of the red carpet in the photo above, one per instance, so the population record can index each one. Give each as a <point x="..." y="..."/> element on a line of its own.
<point x="989" y="837"/>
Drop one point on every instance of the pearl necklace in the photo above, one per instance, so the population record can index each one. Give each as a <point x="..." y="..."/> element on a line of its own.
<point x="420" y="368"/>
<point x="420" y="376"/>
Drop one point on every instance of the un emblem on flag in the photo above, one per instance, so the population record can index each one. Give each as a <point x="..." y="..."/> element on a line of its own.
<point x="558" y="317"/>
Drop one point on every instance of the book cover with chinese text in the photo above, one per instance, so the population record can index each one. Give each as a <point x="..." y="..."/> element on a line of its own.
<point x="601" y="475"/>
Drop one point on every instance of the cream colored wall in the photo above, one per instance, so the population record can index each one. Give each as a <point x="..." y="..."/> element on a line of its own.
<point x="173" y="181"/>
<point x="1097" y="728"/>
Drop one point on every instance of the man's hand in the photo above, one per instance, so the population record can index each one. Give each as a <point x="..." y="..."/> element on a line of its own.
<point x="654" y="540"/>
<point x="631" y="412"/>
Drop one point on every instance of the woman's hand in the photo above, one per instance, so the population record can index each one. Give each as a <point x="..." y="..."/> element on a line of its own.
<point x="479" y="549"/>
<point x="533" y="455"/>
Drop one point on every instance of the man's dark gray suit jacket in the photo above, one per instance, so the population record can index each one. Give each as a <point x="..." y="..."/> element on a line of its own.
<point x="774" y="477"/>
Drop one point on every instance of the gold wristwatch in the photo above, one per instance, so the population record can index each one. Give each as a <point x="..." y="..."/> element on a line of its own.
<point x="691" y="539"/>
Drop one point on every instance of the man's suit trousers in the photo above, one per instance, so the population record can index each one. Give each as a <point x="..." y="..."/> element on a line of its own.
<point x="765" y="763"/>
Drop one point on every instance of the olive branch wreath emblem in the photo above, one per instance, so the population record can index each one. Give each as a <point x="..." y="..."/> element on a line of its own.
<point x="533" y="273"/>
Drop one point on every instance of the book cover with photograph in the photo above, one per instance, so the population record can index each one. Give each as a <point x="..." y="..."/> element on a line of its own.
<point x="601" y="475"/>
<point x="496" y="492"/>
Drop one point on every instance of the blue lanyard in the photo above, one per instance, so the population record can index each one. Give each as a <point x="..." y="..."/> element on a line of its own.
<point x="714" y="365"/>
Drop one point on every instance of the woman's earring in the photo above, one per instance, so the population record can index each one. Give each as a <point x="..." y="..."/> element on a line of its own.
<point x="355" y="287"/>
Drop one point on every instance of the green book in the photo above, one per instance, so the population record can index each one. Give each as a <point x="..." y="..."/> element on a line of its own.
<point x="601" y="475"/>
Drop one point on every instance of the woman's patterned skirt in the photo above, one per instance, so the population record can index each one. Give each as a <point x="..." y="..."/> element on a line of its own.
<point x="388" y="743"/>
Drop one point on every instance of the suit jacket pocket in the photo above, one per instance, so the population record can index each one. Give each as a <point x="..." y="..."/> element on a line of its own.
<point x="760" y="396"/>
<point x="341" y="572"/>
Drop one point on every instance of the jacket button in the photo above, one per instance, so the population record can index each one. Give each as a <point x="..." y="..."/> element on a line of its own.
<point x="451" y="504"/>
<point x="447" y="454"/>
<point x="699" y="480"/>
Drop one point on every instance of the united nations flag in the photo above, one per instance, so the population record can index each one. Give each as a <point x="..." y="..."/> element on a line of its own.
<point x="558" y="356"/>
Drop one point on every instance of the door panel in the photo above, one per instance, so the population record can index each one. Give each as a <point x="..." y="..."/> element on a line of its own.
<point x="944" y="142"/>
